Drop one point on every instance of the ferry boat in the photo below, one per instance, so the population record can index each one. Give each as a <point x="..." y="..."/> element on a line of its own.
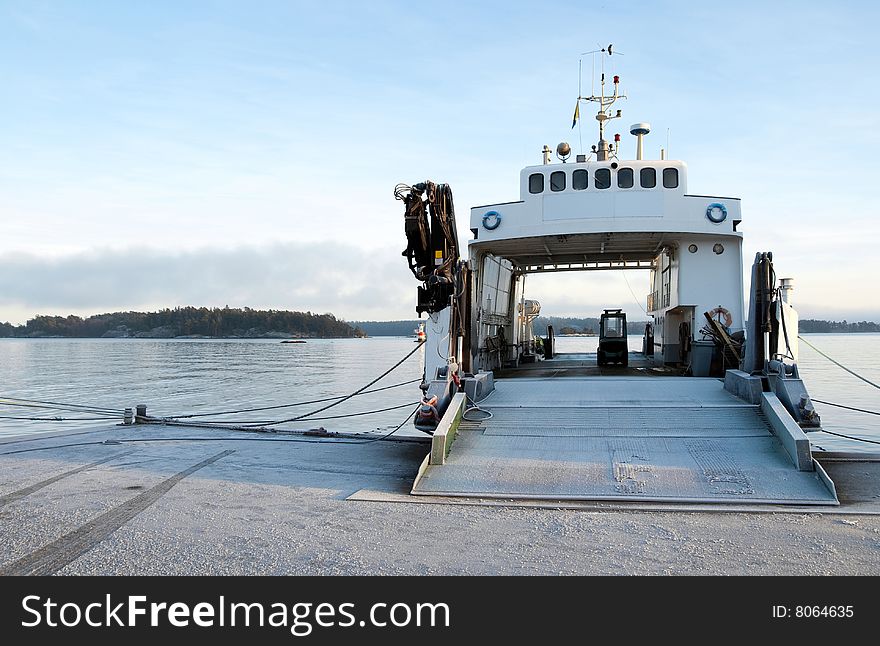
<point x="712" y="409"/>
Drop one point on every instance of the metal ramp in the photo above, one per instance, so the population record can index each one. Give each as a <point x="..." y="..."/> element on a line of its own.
<point x="641" y="439"/>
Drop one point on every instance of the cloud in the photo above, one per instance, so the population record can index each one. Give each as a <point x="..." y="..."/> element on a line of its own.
<point x="351" y="282"/>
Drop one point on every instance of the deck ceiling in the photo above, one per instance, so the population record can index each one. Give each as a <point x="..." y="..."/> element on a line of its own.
<point x="541" y="253"/>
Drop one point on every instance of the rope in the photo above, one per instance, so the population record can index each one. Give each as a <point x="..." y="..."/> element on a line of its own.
<point x="381" y="438"/>
<point x="399" y="426"/>
<point x="638" y="302"/>
<point x="854" y="374"/>
<point x="70" y="408"/>
<point x="860" y="410"/>
<point x="13" y="401"/>
<point x="313" y="401"/>
<point x="850" y="437"/>
<point x="58" y="419"/>
<point x="355" y="393"/>
<point x="311" y="419"/>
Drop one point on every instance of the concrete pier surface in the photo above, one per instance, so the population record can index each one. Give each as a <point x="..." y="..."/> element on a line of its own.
<point x="151" y="499"/>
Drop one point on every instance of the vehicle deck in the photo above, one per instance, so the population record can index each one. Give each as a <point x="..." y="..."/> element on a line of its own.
<point x="624" y="437"/>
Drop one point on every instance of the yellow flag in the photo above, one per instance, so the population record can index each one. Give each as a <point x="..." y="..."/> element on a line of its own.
<point x="577" y="113"/>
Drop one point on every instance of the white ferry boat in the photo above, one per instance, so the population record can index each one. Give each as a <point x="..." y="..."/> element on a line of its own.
<point x="710" y="409"/>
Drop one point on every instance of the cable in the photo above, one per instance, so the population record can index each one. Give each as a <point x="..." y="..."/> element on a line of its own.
<point x="202" y="439"/>
<point x="57" y="404"/>
<point x="399" y="426"/>
<point x="72" y="409"/>
<point x="356" y="392"/>
<point x="311" y="419"/>
<point x="850" y="437"/>
<point x="489" y="414"/>
<point x="313" y="401"/>
<point x="638" y="302"/>
<point x="860" y="410"/>
<point x="840" y="365"/>
<point x="386" y="437"/>
<point x="59" y="419"/>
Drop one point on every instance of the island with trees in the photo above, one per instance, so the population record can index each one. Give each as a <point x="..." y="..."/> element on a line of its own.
<point x="192" y="322"/>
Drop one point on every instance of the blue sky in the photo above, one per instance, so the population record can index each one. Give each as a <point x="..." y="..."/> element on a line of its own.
<point x="169" y="153"/>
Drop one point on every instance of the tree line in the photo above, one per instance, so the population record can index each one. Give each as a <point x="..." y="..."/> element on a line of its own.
<point x="818" y="325"/>
<point x="186" y="321"/>
<point x="561" y="325"/>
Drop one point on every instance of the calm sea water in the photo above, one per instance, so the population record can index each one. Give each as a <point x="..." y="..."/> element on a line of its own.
<point x="181" y="376"/>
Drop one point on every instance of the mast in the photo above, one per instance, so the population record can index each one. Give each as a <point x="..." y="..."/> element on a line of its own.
<point x="603" y="149"/>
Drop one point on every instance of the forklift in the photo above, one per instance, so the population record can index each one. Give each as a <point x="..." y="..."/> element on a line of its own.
<point x="612" y="338"/>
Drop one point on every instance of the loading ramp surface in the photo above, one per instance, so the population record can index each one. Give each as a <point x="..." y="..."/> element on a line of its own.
<point x="621" y="438"/>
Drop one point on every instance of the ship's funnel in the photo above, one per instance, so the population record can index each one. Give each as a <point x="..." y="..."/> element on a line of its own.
<point x="786" y="287"/>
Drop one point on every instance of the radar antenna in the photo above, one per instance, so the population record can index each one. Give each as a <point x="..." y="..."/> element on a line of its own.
<point x="603" y="149"/>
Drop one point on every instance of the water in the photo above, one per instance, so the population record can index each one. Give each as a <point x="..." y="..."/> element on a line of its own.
<point x="181" y="376"/>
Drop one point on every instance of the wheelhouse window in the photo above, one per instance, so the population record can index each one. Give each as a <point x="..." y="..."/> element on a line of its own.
<point x="670" y="178"/>
<point x="602" y="178"/>
<point x="648" y="177"/>
<point x="557" y="181"/>
<point x="536" y="183"/>
<point x="625" y="178"/>
<point x="579" y="180"/>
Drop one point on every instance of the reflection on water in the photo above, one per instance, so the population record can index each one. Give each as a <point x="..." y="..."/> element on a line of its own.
<point x="180" y="376"/>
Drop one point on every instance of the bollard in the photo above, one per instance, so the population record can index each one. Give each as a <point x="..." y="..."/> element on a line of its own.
<point x="141" y="414"/>
<point x="127" y="417"/>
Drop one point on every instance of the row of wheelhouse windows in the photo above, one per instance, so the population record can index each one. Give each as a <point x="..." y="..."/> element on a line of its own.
<point x="602" y="179"/>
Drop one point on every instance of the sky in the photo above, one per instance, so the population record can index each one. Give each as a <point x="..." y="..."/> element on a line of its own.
<point x="245" y="153"/>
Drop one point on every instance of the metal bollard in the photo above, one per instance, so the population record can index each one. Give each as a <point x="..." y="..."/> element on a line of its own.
<point x="140" y="414"/>
<point x="128" y="417"/>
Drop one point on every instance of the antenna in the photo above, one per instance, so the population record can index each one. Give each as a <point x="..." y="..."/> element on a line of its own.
<point x="639" y="130"/>
<point x="605" y="102"/>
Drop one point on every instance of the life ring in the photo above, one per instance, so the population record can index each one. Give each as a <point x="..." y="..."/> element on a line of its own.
<point x="719" y="313"/>
<point x="722" y="212"/>
<point x="491" y="220"/>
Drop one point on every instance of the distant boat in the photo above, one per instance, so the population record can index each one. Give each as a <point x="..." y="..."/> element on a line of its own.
<point x="293" y="341"/>
<point x="420" y="333"/>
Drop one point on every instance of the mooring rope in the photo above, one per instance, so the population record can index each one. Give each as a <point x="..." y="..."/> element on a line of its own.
<point x="860" y="410"/>
<point x="347" y="397"/>
<point x="837" y="363"/>
<point x="303" y="403"/>
<point x="103" y="414"/>
<point x="851" y="437"/>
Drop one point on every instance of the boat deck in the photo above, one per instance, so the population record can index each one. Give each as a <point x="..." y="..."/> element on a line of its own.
<point x="627" y="437"/>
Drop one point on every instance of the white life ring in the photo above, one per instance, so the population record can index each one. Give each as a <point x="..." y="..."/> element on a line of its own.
<point x="720" y="313"/>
